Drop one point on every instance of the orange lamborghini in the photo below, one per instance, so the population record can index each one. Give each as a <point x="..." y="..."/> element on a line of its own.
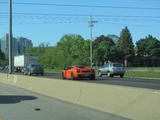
<point x="78" y="71"/>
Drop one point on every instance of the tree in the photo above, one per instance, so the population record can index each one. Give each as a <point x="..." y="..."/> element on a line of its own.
<point x="70" y="50"/>
<point x="102" y="38"/>
<point x="125" y="45"/>
<point x="116" y="54"/>
<point x="74" y="49"/>
<point x="102" y="48"/>
<point x="148" y="46"/>
<point x="113" y="37"/>
<point x="6" y="60"/>
<point x="45" y="55"/>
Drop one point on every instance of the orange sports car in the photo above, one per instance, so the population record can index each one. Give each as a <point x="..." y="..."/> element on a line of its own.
<point x="78" y="71"/>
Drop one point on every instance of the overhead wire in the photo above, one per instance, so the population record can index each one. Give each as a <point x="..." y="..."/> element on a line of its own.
<point x="48" y="16"/>
<point x="54" y="19"/>
<point x="86" y="6"/>
<point x="80" y="15"/>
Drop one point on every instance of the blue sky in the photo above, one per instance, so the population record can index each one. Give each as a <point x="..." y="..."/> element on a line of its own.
<point x="47" y="28"/>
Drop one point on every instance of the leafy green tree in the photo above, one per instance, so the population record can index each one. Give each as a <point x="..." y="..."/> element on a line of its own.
<point x="125" y="45"/>
<point x="116" y="54"/>
<point x="74" y="49"/>
<point x="6" y="60"/>
<point x="102" y="38"/>
<point x="113" y="37"/>
<point x="148" y="46"/>
<point x="102" y="49"/>
<point x="45" y="55"/>
<point x="46" y="59"/>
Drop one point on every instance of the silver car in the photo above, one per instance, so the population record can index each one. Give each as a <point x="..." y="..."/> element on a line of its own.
<point x="111" y="69"/>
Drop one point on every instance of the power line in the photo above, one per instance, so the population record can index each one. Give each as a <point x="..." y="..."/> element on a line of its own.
<point x="86" y="6"/>
<point x="137" y="25"/>
<point x="39" y="18"/>
<point x="80" y="15"/>
<point x="72" y="20"/>
<point x="78" y="19"/>
<point x="65" y="22"/>
<point x="59" y="19"/>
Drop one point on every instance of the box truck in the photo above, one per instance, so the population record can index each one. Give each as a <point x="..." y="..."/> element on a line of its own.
<point x="21" y="61"/>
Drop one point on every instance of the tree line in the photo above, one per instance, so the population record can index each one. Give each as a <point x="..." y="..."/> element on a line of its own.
<point x="73" y="49"/>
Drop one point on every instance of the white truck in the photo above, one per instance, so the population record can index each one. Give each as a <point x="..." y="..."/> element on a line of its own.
<point x="21" y="61"/>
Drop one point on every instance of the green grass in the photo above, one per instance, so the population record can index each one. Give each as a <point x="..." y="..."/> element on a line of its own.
<point x="145" y="74"/>
<point x="146" y="68"/>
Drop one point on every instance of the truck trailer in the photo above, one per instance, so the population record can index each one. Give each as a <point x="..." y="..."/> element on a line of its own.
<point x="21" y="61"/>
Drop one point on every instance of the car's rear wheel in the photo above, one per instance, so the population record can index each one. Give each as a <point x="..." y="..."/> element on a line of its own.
<point x="122" y="75"/>
<point x="29" y="73"/>
<point x="92" y="78"/>
<point x="63" y="76"/>
<point x="99" y="74"/>
<point x="42" y="74"/>
<point x="109" y="74"/>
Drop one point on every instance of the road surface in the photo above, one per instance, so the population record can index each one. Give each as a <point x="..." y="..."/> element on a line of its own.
<point x="20" y="104"/>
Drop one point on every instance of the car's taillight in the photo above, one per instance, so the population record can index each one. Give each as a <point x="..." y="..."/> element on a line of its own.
<point x="78" y="71"/>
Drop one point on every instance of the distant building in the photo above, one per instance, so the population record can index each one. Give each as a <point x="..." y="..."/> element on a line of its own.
<point x="0" y="44"/>
<point x="19" y="45"/>
<point x="23" y="44"/>
<point x="4" y="44"/>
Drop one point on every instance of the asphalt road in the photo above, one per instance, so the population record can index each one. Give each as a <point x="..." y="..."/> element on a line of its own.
<point x="20" y="104"/>
<point x="131" y="82"/>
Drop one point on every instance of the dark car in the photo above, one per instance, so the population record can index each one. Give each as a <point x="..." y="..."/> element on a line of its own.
<point x="6" y="67"/>
<point x="2" y="67"/>
<point x="33" y="69"/>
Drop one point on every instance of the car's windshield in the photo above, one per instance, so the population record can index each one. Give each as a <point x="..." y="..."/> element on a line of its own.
<point x="117" y="65"/>
<point x="35" y="65"/>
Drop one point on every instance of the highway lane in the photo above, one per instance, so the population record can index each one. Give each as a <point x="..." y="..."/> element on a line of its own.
<point x="131" y="82"/>
<point x="20" y="104"/>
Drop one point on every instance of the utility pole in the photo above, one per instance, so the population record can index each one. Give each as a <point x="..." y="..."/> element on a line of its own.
<point x="10" y="37"/>
<point x="91" y="25"/>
